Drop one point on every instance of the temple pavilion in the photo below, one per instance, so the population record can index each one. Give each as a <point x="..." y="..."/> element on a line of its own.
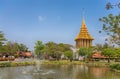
<point x="83" y="39"/>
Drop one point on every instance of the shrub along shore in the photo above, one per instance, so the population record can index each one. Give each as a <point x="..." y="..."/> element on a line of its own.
<point x="115" y="67"/>
<point x="14" y="64"/>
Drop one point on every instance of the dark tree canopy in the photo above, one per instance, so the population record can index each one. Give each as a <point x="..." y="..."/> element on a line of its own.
<point x="52" y="49"/>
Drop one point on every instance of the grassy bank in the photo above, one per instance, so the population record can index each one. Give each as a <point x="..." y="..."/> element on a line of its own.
<point x="13" y="64"/>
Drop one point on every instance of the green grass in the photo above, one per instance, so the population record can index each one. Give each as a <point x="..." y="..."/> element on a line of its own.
<point x="12" y="64"/>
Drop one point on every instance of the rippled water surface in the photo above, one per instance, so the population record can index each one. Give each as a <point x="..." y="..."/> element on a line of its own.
<point x="58" y="72"/>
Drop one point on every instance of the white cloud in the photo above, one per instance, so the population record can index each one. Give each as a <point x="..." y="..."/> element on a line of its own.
<point x="41" y="18"/>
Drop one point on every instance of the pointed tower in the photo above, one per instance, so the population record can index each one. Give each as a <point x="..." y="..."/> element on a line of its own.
<point x="84" y="39"/>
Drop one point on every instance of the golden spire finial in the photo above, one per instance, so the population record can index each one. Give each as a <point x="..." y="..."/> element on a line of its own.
<point x="83" y="39"/>
<point x="83" y="21"/>
<point x="83" y="12"/>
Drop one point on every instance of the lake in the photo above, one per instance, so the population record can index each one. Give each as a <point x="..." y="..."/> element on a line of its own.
<point x="58" y="72"/>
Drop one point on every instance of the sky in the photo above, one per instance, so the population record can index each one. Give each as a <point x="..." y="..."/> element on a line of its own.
<point x="26" y="21"/>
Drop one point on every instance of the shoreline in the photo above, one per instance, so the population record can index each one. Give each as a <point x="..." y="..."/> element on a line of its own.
<point x="67" y="62"/>
<point x="61" y="62"/>
<point x="47" y="62"/>
<point x="15" y="64"/>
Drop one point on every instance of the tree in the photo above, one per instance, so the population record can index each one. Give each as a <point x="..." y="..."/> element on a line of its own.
<point x="13" y="47"/>
<point x="10" y="47"/>
<point x="56" y="50"/>
<point x="106" y="45"/>
<point x="22" y="48"/>
<point x="111" y="26"/>
<point x="99" y="47"/>
<point x="82" y="51"/>
<point x="53" y="50"/>
<point x="3" y="49"/>
<point x="2" y="39"/>
<point x="117" y="53"/>
<point x="68" y="54"/>
<point x="38" y="48"/>
<point x="87" y="52"/>
<point x="117" y="50"/>
<point x="108" y="52"/>
<point x="64" y="47"/>
<point x="110" y="6"/>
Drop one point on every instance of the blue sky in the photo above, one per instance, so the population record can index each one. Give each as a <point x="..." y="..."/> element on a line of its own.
<point x="26" y="21"/>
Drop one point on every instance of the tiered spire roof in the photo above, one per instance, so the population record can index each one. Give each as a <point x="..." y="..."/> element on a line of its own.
<point x="84" y="34"/>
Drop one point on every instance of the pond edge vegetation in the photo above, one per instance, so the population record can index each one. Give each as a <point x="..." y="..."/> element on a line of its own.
<point x="15" y="64"/>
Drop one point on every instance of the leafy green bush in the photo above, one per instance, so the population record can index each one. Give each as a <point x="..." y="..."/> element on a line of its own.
<point x="9" y="64"/>
<point x="5" y="64"/>
<point x="115" y="66"/>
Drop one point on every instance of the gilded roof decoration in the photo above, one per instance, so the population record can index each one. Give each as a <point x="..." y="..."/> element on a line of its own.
<point x="84" y="34"/>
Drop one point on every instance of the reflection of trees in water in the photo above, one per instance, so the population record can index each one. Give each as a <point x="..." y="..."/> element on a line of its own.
<point x="98" y="72"/>
<point x="87" y="72"/>
<point x="81" y="72"/>
<point x="103" y="73"/>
